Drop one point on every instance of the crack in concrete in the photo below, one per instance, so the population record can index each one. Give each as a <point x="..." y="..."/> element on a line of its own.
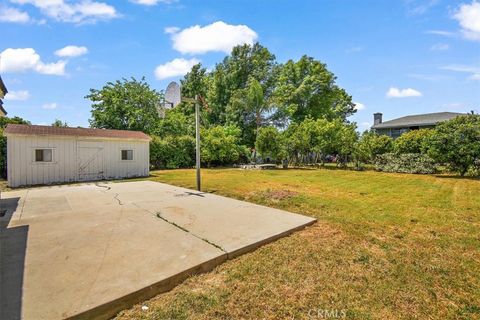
<point x="108" y="188"/>
<point x="100" y="186"/>
<point x="23" y="204"/>
<point x="159" y="215"/>
<point x="116" y="198"/>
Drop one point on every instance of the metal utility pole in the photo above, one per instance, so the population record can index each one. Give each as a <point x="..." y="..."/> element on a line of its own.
<point x="197" y="144"/>
<point x="197" y="137"/>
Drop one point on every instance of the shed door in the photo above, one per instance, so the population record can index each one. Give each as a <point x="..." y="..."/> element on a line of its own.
<point x="90" y="161"/>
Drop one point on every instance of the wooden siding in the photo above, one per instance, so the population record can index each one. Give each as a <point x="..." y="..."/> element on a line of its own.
<point x="22" y="170"/>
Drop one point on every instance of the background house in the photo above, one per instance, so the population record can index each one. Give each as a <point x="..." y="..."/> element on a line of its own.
<point x="394" y="128"/>
<point x="45" y="154"/>
<point x="3" y="92"/>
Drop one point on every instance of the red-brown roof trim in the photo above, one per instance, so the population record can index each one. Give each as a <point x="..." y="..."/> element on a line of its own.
<point x="34" y="130"/>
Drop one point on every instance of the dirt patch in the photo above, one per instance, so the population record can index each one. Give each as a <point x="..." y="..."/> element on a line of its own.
<point x="277" y="195"/>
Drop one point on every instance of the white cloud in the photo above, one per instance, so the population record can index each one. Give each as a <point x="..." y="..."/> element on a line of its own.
<point x="26" y="59"/>
<point x="171" y="30"/>
<point x="355" y="49"/>
<point x="85" y="11"/>
<point x="50" y="106"/>
<point x="472" y="70"/>
<point x="20" y="95"/>
<point x="13" y="15"/>
<point x="151" y="2"/>
<point x="419" y="7"/>
<point x="468" y="15"/>
<point x="217" y="36"/>
<point x="71" y="51"/>
<point x="174" y="68"/>
<point x="359" y="106"/>
<point x="440" y="47"/>
<point x="402" y="93"/>
<point x="441" y="33"/>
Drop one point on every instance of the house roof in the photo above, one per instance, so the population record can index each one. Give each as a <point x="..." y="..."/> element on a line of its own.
<point x="34" y="130"/>
<point x="427" y="119"/>
<point x="3" y="89"/>
<point x="3" y="112"/>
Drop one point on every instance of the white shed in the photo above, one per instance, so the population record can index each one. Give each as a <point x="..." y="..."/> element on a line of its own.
<point x="46" y="155"/>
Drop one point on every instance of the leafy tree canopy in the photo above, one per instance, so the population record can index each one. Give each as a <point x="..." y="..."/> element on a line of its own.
<point x="128" y="104"/>
<point x="307" y="89"/>
<point x="15" y="120"/>
<point x="249" y="89"/>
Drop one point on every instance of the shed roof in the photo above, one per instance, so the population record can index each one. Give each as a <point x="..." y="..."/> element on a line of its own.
<point x="34" y="130"/>
<point x="427" y="119"/>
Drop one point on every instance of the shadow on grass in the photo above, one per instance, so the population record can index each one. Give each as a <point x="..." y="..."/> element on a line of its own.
<point x="456" y="177"/>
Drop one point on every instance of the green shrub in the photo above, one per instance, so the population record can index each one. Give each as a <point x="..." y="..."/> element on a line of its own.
<point x="270" y="143"/>
<point x="456" y="143"/>
<point x="414" y="141"/>
<point x="369" y="146"/>
<point x="220" y="145"/>
<point x="172" y="152"/>
<point x="405" y="163"/>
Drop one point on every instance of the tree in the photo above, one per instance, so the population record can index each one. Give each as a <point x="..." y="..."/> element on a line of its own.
<point x="250" y="107"/>
<point x="270" y="143"/>
<point x="237" y="90"/>
<point x="307" y="89"/>
<point x="59" y="123"/>
<point x="346" y="139"/>
<point x="243" y="84"/>
<point x="456" y="142"/>
<point x="175" y="123"/>
<point x="15" y="120"/>
<point x="413" y="141"/>
<point x="126" y="104"/>
<point x="221" y="145"/>
<point x="370" y="145"/>
<point x="194" y="83"/>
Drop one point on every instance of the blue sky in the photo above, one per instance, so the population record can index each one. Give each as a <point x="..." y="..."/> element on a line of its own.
<point x="396" y="57"/>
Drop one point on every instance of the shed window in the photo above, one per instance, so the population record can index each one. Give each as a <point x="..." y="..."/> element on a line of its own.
<point x="43" y="155"/>
<point x="127" y="154"/>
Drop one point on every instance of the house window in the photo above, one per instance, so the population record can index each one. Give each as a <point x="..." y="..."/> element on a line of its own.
<point x="43" y="155"/>
<point x="127" y="154"/>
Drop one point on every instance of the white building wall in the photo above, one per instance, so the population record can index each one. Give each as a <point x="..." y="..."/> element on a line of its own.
<point x="22" y="170"/>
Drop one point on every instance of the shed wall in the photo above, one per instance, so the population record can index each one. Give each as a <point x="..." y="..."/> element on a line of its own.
<point x="22" y="170"/>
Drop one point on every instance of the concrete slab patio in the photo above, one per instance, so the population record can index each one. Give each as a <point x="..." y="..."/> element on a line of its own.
<point x="89" y="251"/>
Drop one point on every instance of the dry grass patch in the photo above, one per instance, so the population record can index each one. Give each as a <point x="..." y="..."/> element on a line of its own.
<point x="386" y="246"/>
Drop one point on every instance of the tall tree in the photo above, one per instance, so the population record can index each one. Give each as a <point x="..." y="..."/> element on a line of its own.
<point x="126" y="104"/>
<point x="307" y="89"/>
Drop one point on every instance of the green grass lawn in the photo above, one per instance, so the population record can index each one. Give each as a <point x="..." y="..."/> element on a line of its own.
<point x="385" y="246"/>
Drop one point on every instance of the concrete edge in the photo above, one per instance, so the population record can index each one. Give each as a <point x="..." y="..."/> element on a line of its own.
<point x="253" y="246"/>
<point x="112" y="308"/>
